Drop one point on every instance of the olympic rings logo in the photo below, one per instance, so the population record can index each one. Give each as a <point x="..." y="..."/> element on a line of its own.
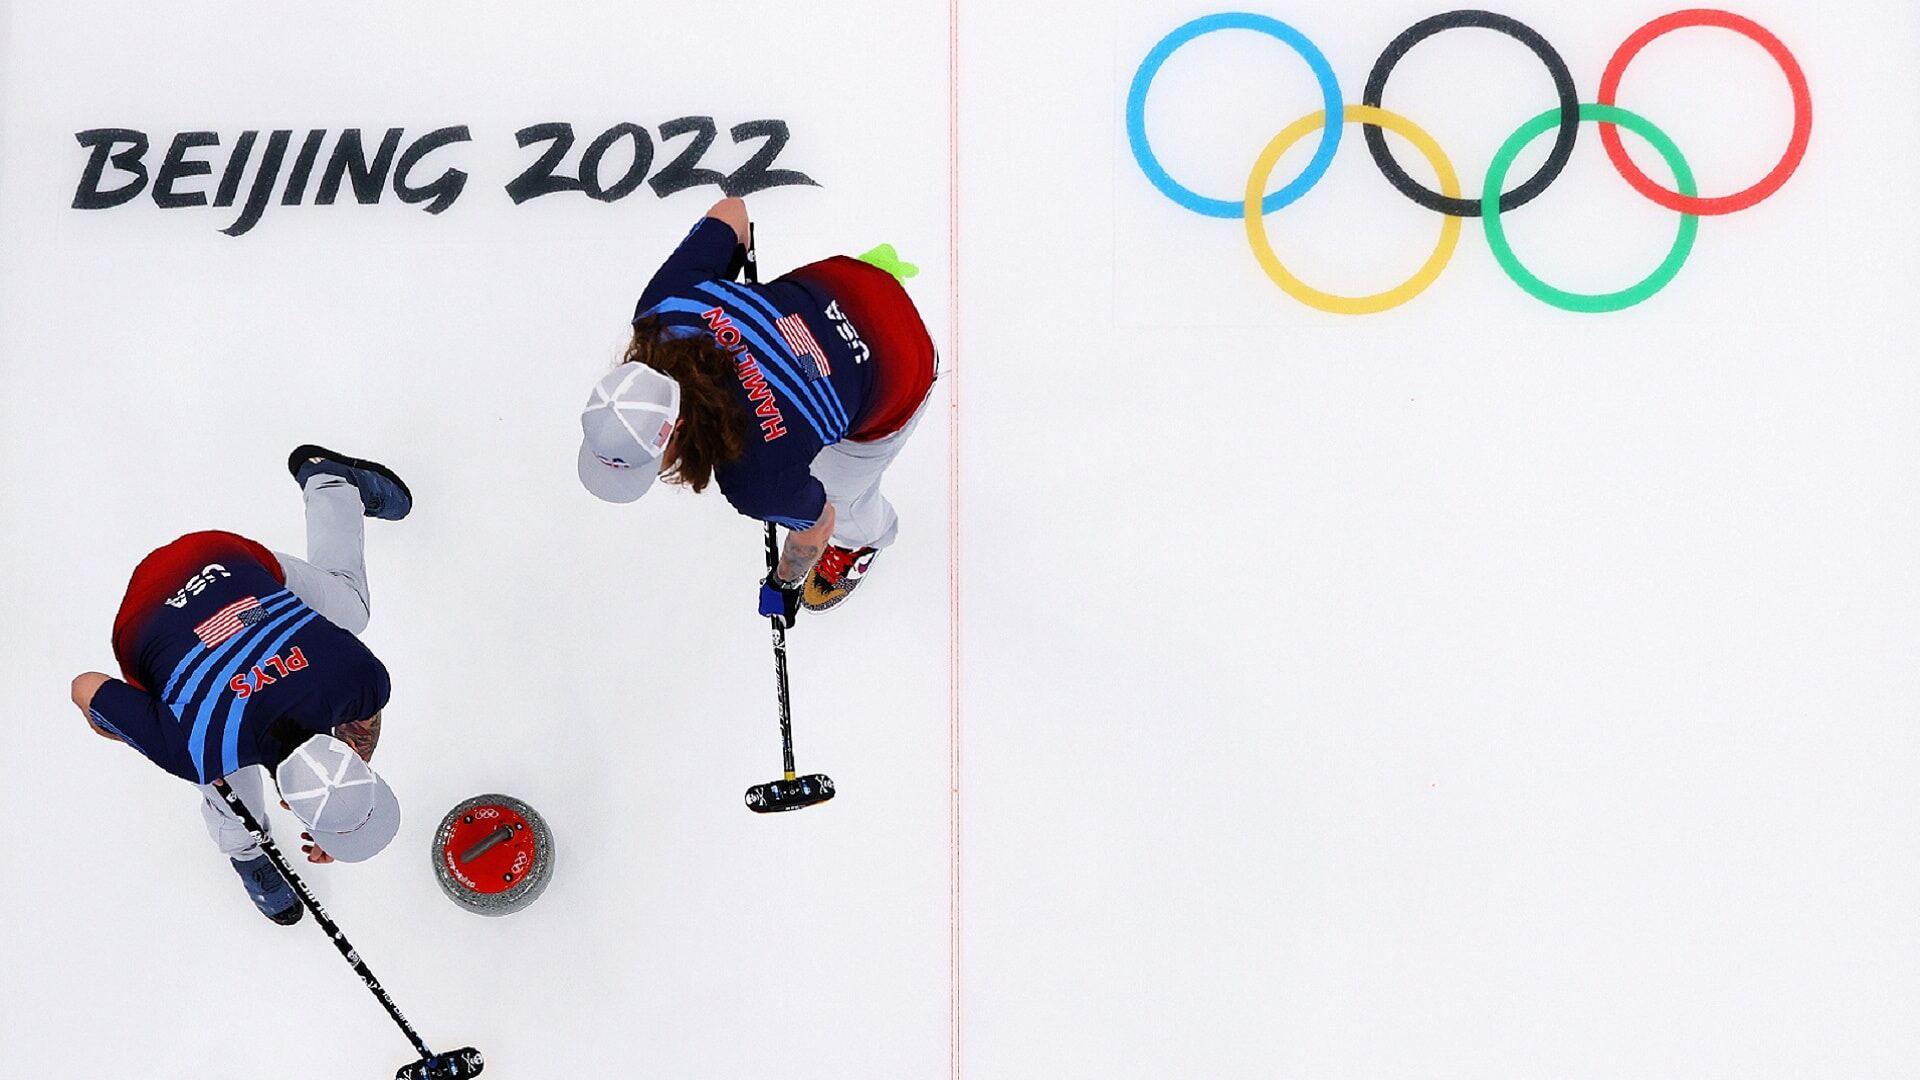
<point x="1564" y="120"/>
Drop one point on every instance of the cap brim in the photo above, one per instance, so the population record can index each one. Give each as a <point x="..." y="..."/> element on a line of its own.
<point x="373" y="835"/>
<point x="615" y="485"/>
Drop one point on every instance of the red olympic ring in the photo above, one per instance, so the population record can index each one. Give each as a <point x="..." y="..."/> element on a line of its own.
<point x="1796" y="81"/>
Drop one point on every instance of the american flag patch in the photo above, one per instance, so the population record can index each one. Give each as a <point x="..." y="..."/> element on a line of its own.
<point x="229" y="621"/>
<point x="800" y="340"/>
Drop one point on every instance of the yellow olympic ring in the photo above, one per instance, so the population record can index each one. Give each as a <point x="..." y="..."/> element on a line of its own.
<point x="1325" y="301"/>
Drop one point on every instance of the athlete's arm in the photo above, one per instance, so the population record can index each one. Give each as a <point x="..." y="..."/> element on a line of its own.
<point x="713" y="251"/>
<point x="804" y="548"/>
<point x="85" y="685"/>
<point x="734" y="213"/>
<point x="780" y="590"/>
<point x="362" y="735"/>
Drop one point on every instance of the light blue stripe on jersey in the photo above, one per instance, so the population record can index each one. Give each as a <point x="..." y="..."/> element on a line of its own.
<point x="689" y="307"/>
<point x="673" y="330"/>
<point x="760" y="336"/>
<point x="769" y="322"/>
<point x="183" y="700"/>
<point x="232" y="648"/>
<point x="792" y="523"/>
<point x="777" y="362"/>
<point x="270" y="602"/>
<point x="796" y="390"/>
<point x="237" y="712"/>
<point x="825" y="396"/>
<point x="197" y="742"/>
<point x="101" y="721"/>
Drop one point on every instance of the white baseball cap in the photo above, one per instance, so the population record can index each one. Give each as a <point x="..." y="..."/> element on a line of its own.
<point x="348" y="810"/>
<point x="626" y="425"/>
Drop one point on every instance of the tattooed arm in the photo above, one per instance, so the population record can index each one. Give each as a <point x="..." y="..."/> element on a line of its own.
<point x="805" y="548"/>
<point x="362" y="735"/>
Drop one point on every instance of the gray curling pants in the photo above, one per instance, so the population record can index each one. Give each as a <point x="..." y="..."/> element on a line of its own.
<point x="331" y="580"/>
<point x="851" y="471"/>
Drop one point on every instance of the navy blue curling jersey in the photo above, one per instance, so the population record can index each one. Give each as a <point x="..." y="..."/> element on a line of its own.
<point x="801" y="366"/>
<point x="227" y="668"/>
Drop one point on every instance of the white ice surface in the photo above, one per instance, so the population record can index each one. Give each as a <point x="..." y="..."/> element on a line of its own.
<point x="1473" y="691"/>
<point x="602" y="662"/>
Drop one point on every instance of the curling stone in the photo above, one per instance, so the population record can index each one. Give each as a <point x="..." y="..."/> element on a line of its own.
<point x="493" y="855"/>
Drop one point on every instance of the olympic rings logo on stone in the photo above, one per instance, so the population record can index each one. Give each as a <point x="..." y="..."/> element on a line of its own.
<point x="1495" y="200"/>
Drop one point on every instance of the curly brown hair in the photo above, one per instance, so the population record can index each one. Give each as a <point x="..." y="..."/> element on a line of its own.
<point x="711" y="417"/>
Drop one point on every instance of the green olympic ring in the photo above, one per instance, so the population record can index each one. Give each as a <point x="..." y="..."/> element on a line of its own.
<point x="1597" y="303"/>
<point x="1566" y="119"/>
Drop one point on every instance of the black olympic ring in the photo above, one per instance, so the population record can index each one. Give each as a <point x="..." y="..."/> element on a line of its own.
<point x="1563" y="140"/>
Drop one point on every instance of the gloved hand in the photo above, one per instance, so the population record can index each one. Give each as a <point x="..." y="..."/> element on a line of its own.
<point x="779" y="600"/>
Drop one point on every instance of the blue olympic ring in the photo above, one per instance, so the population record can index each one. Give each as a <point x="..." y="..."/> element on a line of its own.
<point x="1207" y="24"/>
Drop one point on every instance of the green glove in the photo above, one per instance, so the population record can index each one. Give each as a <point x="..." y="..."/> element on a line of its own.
<point x="889" y="260"/>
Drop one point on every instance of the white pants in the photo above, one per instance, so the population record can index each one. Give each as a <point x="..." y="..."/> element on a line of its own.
<point x="851" y="471"/>
<point x="232" y="838"/>
<point x="331" y="580"/>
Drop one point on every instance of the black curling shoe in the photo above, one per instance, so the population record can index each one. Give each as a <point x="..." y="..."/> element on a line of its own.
<point x="382" y="492"/>
<point x="270" y="892"/>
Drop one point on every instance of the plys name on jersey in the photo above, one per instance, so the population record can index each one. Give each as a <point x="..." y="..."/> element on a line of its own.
<point x="269" y="671"/>
<point x="197" y="584"/>
<point x="772" y="424"/>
